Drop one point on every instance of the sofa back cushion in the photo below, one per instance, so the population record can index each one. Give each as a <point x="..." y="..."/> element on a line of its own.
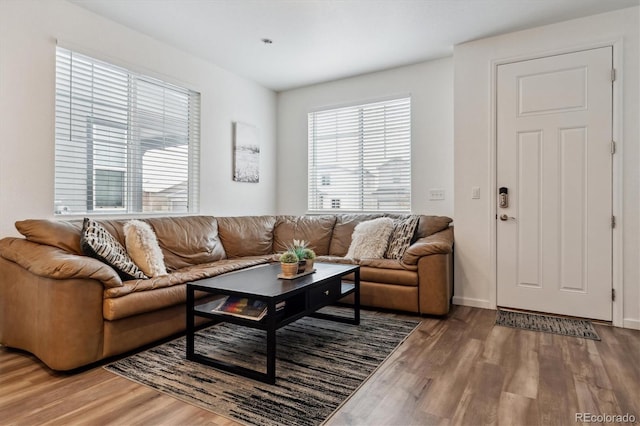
<point x="343" y="229"/>
<point x="315" y="230"/>
<point x="115" y="228"/>
<point x="346" y="223"/>
<point x="187" y="240"/>
<point x="428" y="225"/>
<point x="62" y="234"/>
<point x="247" y="235"/>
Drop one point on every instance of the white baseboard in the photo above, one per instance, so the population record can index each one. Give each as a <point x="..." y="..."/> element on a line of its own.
<point x="474" y="303"/>
<point x="631" y="323"/>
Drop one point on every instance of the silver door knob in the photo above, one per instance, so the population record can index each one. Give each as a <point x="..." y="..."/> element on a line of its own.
<point x="505" y="217"/>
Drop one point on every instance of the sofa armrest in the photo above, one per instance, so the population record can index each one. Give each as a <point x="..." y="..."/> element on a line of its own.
<point x="438" y="243"/>
<point x="52" y="262"/>
<point x="435" y="283"/>
<point x="59" y="321"/>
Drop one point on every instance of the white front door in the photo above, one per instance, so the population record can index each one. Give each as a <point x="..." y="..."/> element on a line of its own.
<point x="554" y="157"/>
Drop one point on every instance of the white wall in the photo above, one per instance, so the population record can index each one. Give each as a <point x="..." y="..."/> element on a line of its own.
<point x="430" y="85"/>
<point x="28" y="33"/>
<point x="474" y="143"/>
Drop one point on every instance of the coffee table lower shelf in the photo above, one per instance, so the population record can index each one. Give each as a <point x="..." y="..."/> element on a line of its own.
<point x="300" y="301"/>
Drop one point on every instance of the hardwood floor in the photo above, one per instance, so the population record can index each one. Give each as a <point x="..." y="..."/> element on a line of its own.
<point x="461" y="370"/>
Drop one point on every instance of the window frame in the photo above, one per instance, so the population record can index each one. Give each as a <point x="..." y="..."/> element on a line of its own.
<point x="166" y="103"/>
<point x="318" y="178"/>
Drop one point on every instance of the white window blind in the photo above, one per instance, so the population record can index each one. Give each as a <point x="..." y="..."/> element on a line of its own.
<point x="360" y="158"/>
<point x="125" y="142"/>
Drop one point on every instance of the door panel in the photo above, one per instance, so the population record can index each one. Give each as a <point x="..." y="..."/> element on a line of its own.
<point x="554" y="250"/>
<point x="529" y="249"/>
<point x="532" y="90"/>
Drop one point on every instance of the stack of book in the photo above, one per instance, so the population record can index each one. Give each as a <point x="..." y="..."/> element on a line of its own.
<point x="244" y="308"/>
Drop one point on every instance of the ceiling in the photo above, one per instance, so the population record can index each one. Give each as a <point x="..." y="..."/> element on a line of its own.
<point x="321" y="40"/>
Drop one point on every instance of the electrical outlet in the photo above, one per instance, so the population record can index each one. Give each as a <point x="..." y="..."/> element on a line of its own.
<point x="436" y="194"/>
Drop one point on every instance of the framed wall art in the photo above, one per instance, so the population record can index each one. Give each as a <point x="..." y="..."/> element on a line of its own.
<point x="246" y="153"/>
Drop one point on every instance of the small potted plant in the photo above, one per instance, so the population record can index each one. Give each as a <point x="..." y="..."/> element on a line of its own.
<point x="309" y="255"/>
<point x="289" y="264"/>
<point x="298" y="248"/>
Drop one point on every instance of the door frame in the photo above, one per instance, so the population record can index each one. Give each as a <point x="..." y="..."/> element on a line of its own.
<point x="617" y="164"/>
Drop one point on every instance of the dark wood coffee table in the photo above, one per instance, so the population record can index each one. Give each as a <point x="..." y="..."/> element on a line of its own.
<point x="303" y="296"/>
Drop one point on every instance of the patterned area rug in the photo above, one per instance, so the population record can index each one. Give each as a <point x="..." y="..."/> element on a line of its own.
<point x="319" y="365"/>
<point x="548" y="324"/>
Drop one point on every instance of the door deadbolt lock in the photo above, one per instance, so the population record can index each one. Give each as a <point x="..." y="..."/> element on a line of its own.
<point x="503" y="197"/>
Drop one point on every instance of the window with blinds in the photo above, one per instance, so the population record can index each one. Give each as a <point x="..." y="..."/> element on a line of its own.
<point x="125" y="142"/>
<point x="360" y="158"/>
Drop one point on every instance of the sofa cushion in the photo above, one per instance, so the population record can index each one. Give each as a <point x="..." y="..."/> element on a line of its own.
<point x="315" y="230"/>
<point x="247" y="235"/>
<point x="429" y="225"/>
<point x="337" y="259"/>
<point x="188" y="240"/>
<point x="401" y="237"/>
<point x="387" y="264"/>
<point x="98" y="243"/>
<point x="393" y="276"/>
<point x="370" y="239"/>
<point x="343" y="229"/>
<point x="136" y="303"/>
<point x="182" y="276"/>
<point x="115" y="227"/>
<point x="57" y="233"/>
<point x="142" y="246"/>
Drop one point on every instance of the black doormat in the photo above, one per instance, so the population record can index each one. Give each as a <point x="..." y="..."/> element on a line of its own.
<point x="548" y="324"/>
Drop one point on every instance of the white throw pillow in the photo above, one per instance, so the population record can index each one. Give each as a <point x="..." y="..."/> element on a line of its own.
<point x="370" y="239"/>
<point x="142" y="246"/>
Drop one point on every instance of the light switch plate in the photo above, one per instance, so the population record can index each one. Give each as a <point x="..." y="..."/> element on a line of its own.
<point x="436" y="194"/>
<point x="475" y="192"/>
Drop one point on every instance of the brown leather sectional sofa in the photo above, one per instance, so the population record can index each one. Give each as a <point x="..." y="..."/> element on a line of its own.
<point x="70" y="310"/>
